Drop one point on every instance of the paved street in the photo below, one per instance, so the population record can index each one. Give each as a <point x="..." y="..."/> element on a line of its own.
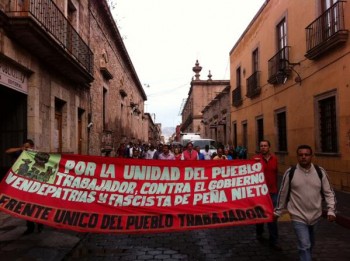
<point x="230" y="243"/>
<point x="233" y="243"/>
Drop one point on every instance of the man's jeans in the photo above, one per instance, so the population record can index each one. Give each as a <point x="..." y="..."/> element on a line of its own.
<point x="272" y="226"/>
<point x="306" y="239"/>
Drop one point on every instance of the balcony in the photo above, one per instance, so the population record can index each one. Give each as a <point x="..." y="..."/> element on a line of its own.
<point x="326" y="32"/>
<point x="253" y="85"/>
<point x="237" y="97"/>
<point x="278" y="66"/>
<point x="41" y="28"/>
<point x="186" y="124"/>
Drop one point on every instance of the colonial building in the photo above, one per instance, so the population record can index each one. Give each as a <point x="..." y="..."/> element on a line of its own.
<point x="117" y="96"/>
<point x="66" y="79"/>
<point x="216" y="118"/>
<point x="152" y="133"/>
<point x="201" y="93"/>
<point x="290" y="83"/>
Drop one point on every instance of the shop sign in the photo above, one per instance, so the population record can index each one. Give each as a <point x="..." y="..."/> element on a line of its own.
<point x="13" y="78"/>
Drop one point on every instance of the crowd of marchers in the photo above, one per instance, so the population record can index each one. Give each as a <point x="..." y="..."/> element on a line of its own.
<point x="179" y="152"/>
<point x="305" y="187"/>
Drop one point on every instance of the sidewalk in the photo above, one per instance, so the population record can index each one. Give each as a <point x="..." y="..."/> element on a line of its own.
<point x="51" y="244"/>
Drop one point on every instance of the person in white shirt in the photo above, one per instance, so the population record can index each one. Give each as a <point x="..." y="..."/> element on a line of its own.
<point x="150" y="152"/>
<point x="207" y="154"/>
<point x="301" y="194"/>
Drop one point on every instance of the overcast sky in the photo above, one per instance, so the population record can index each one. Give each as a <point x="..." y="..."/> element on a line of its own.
<point x="164" y="38"/>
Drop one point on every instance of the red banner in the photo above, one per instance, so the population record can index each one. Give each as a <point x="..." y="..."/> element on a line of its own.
<point x="110" y="195"/>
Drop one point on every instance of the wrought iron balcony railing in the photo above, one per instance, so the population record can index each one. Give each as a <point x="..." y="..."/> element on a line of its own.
<point x="253" y="85"/>
<point x="48" y="18"/>
<point x="327" y="31"/>
<point x="277" y="64"/>
<point x="237" y="97"/>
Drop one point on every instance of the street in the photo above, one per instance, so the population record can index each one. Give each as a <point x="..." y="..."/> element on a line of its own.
<point x="231" y="243"/>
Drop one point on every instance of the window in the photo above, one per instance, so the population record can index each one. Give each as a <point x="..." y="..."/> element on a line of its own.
<point x="237" y="92"/>
<point x="259" y="131"/>
<point x="245" y="134"/>
<point x="238" y="77"/>
<point x="330" y="18"/>
<point x="282" y="34"/>
<point x="327" y="123"/>
<point x="234" y="132"/>
<point x="80" y="130"/>
<point x="328" y="30"/>
<point x="104" y="108"/>
<point x="253" y="86"/>
<point x="325" y="4"/>
<point x="255" y="60"/>
<point x="281" y="124"/>
<point x="72" y="13"/>
<point x="277" y="64"/>
<point x="58" y="130"/>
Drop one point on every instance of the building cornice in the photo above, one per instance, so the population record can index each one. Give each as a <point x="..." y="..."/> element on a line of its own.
<point x="250" y="25"/>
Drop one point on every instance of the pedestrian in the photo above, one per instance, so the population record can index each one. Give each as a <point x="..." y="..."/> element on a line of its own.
<point x="200" y="155"/>
<point x="233" y="153"/>
<point x="136" y="152"/>
<point x="302" y="191"/>
<point x="177" y="153"/>
<point x="270" y="165"/>
<point x="158" y="151"/>
<point x="220" y="155"/>
<point x="150" y="152"/>
<point x="15" y="153"/>
<point x="207" y="153"/>
<point x="241" y="152"/>
<point x="227" y="154"/>
<point x="189" y="153"/>
<point x="166" y="154"/>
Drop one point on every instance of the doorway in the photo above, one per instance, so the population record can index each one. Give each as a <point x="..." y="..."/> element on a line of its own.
<point x="13" y="124"/>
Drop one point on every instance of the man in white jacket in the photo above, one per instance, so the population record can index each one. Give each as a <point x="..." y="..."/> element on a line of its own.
<point x="301" y="193"/>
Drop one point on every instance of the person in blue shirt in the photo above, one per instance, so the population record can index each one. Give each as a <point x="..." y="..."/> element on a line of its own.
<point x="200" y="155"/>
<point x="227" y="154"/>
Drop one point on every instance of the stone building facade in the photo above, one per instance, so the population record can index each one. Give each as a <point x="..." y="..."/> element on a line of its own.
<point x="67" y="81"/>
<point x="201" y="93"/>
<point x="290" y="83"/>
<point x="117" y="96"/>
<point x="151" y="129"/>
<point x="216" y="118"/>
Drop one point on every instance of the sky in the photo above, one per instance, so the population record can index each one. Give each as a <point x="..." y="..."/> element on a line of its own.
<point x="164" y="38"/>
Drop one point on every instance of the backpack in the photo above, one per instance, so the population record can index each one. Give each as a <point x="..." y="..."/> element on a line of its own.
<point x="291" y="174"/>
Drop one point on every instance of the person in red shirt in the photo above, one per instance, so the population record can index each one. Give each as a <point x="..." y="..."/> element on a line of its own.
<point x="270" y="164"/>
<point x="177" y="153"/>
<point x="189" y="153"/>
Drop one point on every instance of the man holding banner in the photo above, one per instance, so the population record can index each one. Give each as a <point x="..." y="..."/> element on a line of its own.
<point x="16" y="152"/>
